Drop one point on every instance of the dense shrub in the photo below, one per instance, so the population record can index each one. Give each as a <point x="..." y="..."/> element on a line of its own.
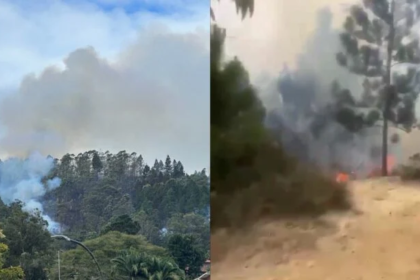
<point x="410" y="171"/>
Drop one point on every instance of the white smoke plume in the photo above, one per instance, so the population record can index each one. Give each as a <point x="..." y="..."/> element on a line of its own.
<point x="21" y="179"/>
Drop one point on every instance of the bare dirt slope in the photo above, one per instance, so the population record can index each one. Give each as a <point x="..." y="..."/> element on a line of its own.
<point x="381" y="241"/>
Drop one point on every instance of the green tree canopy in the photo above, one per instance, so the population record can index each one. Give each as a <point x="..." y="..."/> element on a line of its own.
<point x="191" y="224"/>
<point x="109" y="202"/>
<point x="27" y="239"/>
<point x="105" y="248"/>
<point x="134" y="265"/>
<point x="237" y="116"/>
<point x="124" y="224"/>
<point x="11" y="273"/>
<point x="187" y="254"/>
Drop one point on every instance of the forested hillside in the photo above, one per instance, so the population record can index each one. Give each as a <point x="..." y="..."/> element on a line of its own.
<point x="126" y="211"/>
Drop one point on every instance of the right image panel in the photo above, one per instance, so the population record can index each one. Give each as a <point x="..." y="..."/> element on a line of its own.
<point x="315" y="154"/>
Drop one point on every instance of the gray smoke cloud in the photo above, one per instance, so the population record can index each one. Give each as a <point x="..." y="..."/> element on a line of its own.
<point x="21" y="179"/>
<point x="290" y="33"/>
<point x="152" y="99"/>
<point x="306" y="127"/>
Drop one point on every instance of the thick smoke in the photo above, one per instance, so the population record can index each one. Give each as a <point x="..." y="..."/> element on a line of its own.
<point x="306" y="127"/>
<point x="21" y="179"/>
<point x="140" y="101"/>
<point x="278" y="32"/>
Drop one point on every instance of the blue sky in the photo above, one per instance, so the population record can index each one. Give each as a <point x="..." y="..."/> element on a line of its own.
<point x="159" y="7"/>
<point x="176" y="7"/>
<point x="137" y="47"/>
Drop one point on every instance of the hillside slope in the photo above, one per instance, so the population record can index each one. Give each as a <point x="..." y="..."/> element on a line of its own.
<point x="381" y="240"/>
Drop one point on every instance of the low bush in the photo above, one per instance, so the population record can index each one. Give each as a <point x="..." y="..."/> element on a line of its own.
<point x="411" y="170"/>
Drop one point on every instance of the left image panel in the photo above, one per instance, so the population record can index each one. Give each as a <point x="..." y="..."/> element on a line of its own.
<point x="104" y="140"/>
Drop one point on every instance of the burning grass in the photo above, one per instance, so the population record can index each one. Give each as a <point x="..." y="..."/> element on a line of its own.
<point x="375" y="171"/>
<point x="342" y="177"/>
<point x="283" y="190"/>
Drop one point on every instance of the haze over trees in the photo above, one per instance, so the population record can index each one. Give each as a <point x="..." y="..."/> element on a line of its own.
<point x="123" y="209"/>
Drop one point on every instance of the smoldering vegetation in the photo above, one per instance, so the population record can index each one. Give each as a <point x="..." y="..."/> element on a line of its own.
<point x="265" y="158"/>
<point x="277" y="146"/>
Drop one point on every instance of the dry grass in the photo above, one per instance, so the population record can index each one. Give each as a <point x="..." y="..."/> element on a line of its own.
<point x="296" y="192"/>
<point x="377" y="243"/>
<point x="279" y="239"/>
<point x="275" y="216"/>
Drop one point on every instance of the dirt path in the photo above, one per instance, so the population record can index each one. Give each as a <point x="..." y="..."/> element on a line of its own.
<point x="381" y="242"/>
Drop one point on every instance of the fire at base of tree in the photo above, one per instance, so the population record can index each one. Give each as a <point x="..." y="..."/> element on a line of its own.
<point x="343" y="123"/>
<point x="375" y="171"/>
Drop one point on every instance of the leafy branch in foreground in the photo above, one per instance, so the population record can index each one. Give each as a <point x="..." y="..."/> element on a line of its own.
<point x="243" y="7"/>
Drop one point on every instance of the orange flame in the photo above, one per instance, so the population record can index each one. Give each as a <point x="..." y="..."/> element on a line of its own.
<point x="342" y="177"/>
<point x="390" y="163"/>
<point x="390" y="167"/>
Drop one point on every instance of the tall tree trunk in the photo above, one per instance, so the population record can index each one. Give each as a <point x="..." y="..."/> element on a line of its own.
<point x="388" y="94"/>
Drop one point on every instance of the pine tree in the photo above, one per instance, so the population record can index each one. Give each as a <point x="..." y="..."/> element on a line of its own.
<point x="378" y="35"/>
<point x="168" y="166"/>
<point x="140" y="164"/>
<point x="146" y="172"/>
<point x="97" y="164"/>
<point x="178" y="170"/>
